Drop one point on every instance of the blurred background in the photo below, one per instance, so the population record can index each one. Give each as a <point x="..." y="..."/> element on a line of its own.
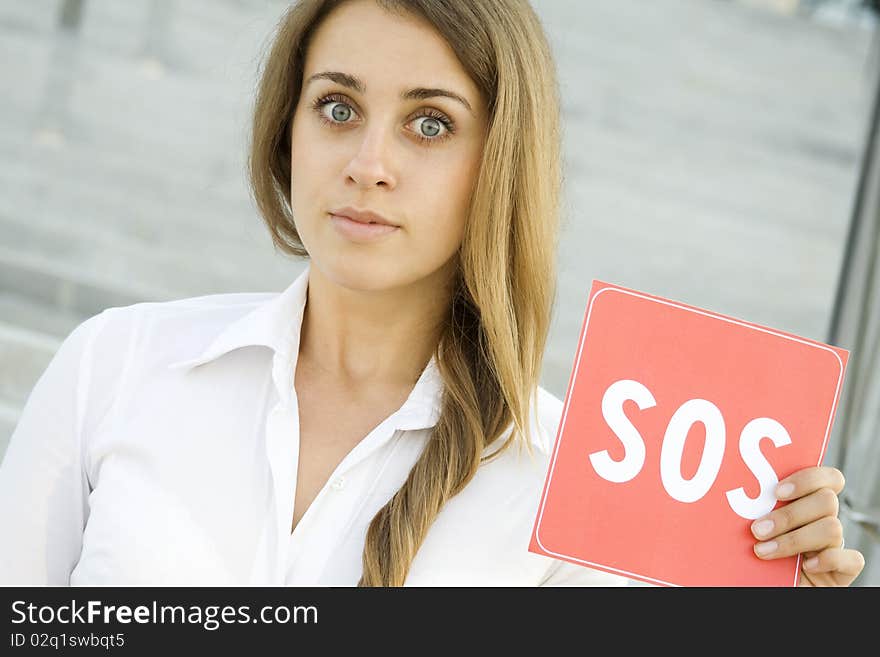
<point x="718" y="152"/>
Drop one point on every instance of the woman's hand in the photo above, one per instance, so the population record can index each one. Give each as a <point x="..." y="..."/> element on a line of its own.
<point x="809" y="525"/>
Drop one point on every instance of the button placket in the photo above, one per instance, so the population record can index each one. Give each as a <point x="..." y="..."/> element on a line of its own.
<point x="283" y="453"/>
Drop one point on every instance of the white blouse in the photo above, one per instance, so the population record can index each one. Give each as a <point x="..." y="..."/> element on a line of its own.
<point x="160" y="446"/>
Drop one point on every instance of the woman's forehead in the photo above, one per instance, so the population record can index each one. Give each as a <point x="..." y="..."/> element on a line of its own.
<point x="374" y="45"/>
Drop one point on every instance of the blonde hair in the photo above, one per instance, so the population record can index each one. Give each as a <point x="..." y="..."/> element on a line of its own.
<point x="491" y="350"/>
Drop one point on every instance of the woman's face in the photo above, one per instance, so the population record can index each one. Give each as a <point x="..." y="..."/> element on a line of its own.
<point x="362" y="138"/>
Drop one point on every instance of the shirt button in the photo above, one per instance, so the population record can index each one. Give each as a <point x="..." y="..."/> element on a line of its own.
<point x="338" y="483"/>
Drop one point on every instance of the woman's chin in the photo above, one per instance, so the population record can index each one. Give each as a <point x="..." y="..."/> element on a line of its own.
<point x="362" y="274"/>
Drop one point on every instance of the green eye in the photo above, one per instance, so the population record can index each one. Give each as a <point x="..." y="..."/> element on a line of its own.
<point x="435" y="122"/>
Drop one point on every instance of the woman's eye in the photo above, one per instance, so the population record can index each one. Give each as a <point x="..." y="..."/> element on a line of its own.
<point x="431" y="127"/>
<point x="340" y="111"/>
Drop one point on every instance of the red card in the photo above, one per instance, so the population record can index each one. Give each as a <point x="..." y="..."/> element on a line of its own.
<point x="677" y="424"/>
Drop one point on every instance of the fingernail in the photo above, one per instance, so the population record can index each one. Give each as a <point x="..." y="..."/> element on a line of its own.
<point x="766" y="548"/>
<point x="762" y="527"/>
<point x="812" y="563"/>
<point x="784" y="490"/>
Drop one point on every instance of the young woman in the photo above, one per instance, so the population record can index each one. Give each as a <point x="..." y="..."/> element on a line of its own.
<point x="379" y="422"/>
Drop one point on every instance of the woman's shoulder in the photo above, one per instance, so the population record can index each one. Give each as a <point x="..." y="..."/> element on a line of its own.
<point x="166" y="331"/>
<point x="209" y="307"/>
<point x="526" y="458"/>
<point x="547" y="416"/>
<point x="489" y="523"/>
<point x="110" y="349"/>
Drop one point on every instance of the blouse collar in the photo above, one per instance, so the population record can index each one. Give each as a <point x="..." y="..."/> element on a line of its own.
<point x="276" y="323"/>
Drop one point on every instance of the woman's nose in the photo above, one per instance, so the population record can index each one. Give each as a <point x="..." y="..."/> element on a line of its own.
<point x="372" y="163"/>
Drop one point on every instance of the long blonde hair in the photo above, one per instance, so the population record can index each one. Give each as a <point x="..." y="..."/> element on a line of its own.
<point x="491" y="350"/>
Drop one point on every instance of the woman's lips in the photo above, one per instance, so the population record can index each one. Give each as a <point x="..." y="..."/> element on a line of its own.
<point x="358" y="232"/>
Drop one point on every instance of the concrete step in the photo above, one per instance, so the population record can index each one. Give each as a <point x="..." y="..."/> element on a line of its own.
<point x="9" y="414"/>
<point x="27" y="313"/>
<point x="58" y="277"/>
<point x="24" y="356"/>
<point x="122" y="268"/>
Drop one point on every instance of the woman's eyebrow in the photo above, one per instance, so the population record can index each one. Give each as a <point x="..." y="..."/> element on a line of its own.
<point x="419" y="93"/>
